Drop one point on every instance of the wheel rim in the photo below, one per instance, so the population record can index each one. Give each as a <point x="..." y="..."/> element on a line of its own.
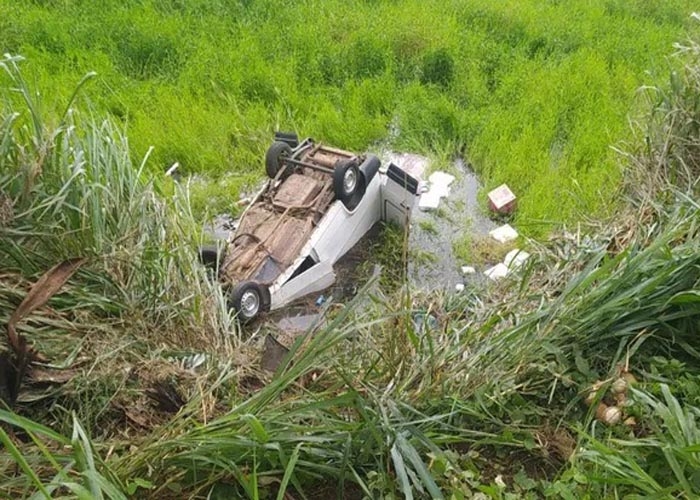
<point x="349" y="180"/>
<point x="250" y="303"/>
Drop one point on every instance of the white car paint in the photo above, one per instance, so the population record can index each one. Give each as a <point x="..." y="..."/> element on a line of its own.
<point x="337" y="232"/>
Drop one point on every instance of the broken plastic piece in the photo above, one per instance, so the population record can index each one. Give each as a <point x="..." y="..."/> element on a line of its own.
<point x="299" y="323"/>
<point x="516" y="258"/>
<point x="468" y="270"/>
<point x="439" y="187"/>
<point x="173" y="168"/>
<point x="459" y="287"/>
<point x="424" y="322"/>
<point x="502" y="200"/>
<point x="497" y="272"/>
<point x="429" y="200"/>
<point x="504" y="234"/>
<point x="320" y="300"/>
<point x="273" y="354"/>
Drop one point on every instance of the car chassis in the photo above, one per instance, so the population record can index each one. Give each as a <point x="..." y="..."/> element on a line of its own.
<point x="317" y="204"/>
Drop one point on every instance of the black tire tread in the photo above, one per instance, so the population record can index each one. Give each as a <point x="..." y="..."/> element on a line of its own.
<point x="350" y="200"/>
<point x="275" y="152"/>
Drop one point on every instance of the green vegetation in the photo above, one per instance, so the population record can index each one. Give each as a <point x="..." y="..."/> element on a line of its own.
<point x="533" y="92"/>
<point x="136" y="382"/>
<point x="480" y="250"/>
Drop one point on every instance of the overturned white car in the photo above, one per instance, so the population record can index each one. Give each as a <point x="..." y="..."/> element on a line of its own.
<point x="317" y="204"/>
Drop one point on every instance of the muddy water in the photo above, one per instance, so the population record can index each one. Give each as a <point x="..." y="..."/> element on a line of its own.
<point x="432" y="264"/>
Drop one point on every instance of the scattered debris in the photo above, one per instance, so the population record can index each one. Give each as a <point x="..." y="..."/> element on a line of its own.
<point x="433" y="263"/>
<point x="504" y="233"/>
<point x="459" y="287"/>
<point x="297" y="324"/>
<point x="424" y="322"/>
<point x="502" y="200"/>
<point x="512" y="261"/>
<point x="438" y="188"/>
<point x="273" y="354"/>
<point x="515" y="258"/>
<point x="189" y="362"/>
<point x="497" y="272"/>
<point x="320" y="300"/>
<point x="172" y="170"/>
<point x="468" y="270"/>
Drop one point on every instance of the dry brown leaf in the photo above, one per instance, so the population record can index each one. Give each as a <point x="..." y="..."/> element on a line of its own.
<point x="47" y="286"/>
<point x="13" y="366"/>
<point x="50" y="376"/>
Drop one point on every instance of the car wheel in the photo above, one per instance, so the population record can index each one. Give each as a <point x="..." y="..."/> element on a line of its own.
<point x="275" y="156"/>
<point x="289" y="137"/>
<point x="346" y="183"/>
<point x="210" y="256"/>
<point x="249" y="299"/>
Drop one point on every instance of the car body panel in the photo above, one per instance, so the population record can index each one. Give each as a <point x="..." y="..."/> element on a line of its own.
<point x="295" y="229"/>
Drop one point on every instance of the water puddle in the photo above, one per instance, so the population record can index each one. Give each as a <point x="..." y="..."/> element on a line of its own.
<point x="432" y="263"/>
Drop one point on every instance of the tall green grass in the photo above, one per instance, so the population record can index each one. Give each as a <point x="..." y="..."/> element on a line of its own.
<point x="487" y="398"/>
<point x="534" y="93"/>
<point x="74" y="192"/>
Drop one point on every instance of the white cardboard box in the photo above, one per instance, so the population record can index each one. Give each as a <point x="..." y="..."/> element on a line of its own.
<point x="502" y="200"/>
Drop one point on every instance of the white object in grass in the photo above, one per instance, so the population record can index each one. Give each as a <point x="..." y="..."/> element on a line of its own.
<point x="516" y="258"/>
<point x="497" y="272"/>
<point x="439" y="188"/>
<point x="504" y="233"/>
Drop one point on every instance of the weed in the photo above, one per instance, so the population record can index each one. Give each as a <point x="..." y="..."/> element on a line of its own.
<point x="480" y="250"/>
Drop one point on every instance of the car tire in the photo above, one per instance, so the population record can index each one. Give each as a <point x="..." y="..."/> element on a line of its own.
<point x="274" y="158"/>
<point x="249" y="299"/>
<point x="347" y="183"/>
<point x="210" y="256"/>
<point x="289" y="137"/>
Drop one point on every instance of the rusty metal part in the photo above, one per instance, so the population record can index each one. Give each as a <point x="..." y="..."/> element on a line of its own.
<point x="275" y="228"/>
